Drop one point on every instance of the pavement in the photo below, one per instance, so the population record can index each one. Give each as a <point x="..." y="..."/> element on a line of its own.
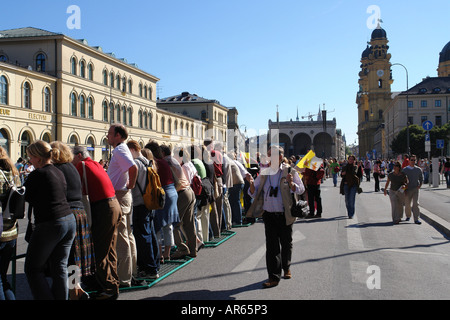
<point x="434" y="204"/>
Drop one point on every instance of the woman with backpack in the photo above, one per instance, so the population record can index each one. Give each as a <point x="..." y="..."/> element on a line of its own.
<point x="8" y="227"/>
<point x="167" y="217"/>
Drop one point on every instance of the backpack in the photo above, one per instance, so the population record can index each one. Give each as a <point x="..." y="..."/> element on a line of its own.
<point x="12" y="201"/>
<point x="153" y="194"/>
<point x="197" y="185"/>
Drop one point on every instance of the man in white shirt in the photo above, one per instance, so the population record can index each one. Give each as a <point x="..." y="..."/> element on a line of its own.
<point x="122" y="171"/>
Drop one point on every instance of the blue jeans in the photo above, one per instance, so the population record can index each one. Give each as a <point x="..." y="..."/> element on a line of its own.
<point x="335" y="179"/>
<point x="146" y="243"/>
<point x="234" y="196"/>
<point x="6" y="253"/>
<point x="350" y="195"/>
<point x="50" y="242"/>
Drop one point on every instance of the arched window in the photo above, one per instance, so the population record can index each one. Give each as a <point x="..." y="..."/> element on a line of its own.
<point x="111" y="79"/>
<point x="124" y="84"/>
<point x="169" y="126"/>
<point x="145" y="92"/>
<point x="91" y="147"/>
<point x="73" y="65"/>
<point x="140" y="120"/>
<point x="4" y="140"/>
<point x="105" y="111"/>
<point x="111" y="112"/>
<point x="90" y="71"/>
<point x="118" y="112"/>
<point x="73" y="103"/>
<point x="150" y="121"/>
<point x="162" y="124"/>
<point x="82" y="69"/>
<point x="25" y="141"/>
<point x="90" y="108"/>
<point x="150" y="92"/>
<point x="130" y="86"/>
<point x="47" y="137"/>
<point x="27" y="95"/>
<point x="140" y="89"/>
<point x="130" y="116"/>
<point x="47" y="101"/>
<point x="82" y="106"/>
<point x="124" y="115"/>
<point x="3" y="90"/>
<point x="146" y="118"/>
<point x="105" y="77"/>
<point x="40" y="62"/>
<point x="73" y="140"/>
<point x="118" y="82"/>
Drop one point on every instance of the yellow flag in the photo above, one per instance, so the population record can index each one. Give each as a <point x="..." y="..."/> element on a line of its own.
<point x="310" y="161"/>
<point x="303" y="163"/>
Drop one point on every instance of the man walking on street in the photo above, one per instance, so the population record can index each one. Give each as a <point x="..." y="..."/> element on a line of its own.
<point x="415" y="180"/>
<point x="122" y="171"/>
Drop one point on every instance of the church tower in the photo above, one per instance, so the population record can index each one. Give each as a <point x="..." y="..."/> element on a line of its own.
<point x="374" y="93"/>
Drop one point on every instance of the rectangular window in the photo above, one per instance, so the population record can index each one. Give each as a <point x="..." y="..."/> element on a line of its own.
<point x="410" y="104"/>
<point x="423" y="119"/>
<point x="410" y="120"/>
<point x="438" y="121"/>
<point x="437" y="103"/>
<point x="366" y="115"/>
<point x="423" y="103"/>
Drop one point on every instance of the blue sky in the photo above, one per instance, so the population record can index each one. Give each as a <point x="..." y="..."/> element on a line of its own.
<point x="254" y="54"/>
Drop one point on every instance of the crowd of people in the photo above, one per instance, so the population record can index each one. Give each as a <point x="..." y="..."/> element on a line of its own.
<point x="92" y="215"/>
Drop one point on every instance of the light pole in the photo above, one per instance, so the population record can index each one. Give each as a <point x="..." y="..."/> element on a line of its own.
<point x="408" y="151"/>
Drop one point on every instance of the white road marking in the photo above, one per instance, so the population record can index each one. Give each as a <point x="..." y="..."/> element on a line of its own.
<point x="249" y="264"/>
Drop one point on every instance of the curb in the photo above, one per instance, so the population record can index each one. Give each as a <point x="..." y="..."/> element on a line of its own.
<point x="437" y="222"/>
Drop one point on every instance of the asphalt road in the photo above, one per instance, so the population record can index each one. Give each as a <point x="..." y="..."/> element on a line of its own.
<point x="365" y="258"/>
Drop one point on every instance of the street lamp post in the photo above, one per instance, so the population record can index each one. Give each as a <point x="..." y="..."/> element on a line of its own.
<point x="408" y="151"/>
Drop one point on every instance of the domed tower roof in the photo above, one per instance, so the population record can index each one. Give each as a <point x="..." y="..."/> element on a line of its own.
<point x="445" y="53"/>
<point x="379" y="33"/>
<point x="366" y="52"/>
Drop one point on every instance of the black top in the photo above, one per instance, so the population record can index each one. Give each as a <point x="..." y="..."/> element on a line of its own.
<point x="73" y="180"/>
<point x="46" y="193"/>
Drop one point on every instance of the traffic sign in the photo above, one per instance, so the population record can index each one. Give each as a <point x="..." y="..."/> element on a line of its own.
<point x="427" y="125"/>
<point x="427" y="137"/>
<point x="440" y="143"/>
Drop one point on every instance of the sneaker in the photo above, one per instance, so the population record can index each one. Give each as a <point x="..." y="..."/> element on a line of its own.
<point x="407" y="219"/>
<point x="152" y="275"/>
<point x="138" y="283"/>
<point x="417" y="222"/>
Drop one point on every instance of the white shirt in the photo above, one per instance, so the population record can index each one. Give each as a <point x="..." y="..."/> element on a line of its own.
<point x="121" y="161"/>
<point x="275" y="204"/>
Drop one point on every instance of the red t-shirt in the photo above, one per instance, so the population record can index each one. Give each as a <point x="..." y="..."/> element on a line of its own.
<point x="99" y="185"/>
<point x="164" y="172"/>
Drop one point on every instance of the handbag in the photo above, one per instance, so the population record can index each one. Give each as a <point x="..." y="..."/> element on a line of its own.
<point x="85" y="196"/>
<point x="13" y="202"/>
<point x="299" y="208"/>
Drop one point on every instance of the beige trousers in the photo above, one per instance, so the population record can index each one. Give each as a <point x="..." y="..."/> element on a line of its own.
<point x="126" y="245"/>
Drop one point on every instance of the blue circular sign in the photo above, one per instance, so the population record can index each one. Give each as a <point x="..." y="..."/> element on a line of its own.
<point x="427" y="125"/>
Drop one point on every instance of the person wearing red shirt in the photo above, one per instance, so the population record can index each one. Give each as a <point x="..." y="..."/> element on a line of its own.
<point x="313" y="181"/>
<point x="106" y="214"/>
